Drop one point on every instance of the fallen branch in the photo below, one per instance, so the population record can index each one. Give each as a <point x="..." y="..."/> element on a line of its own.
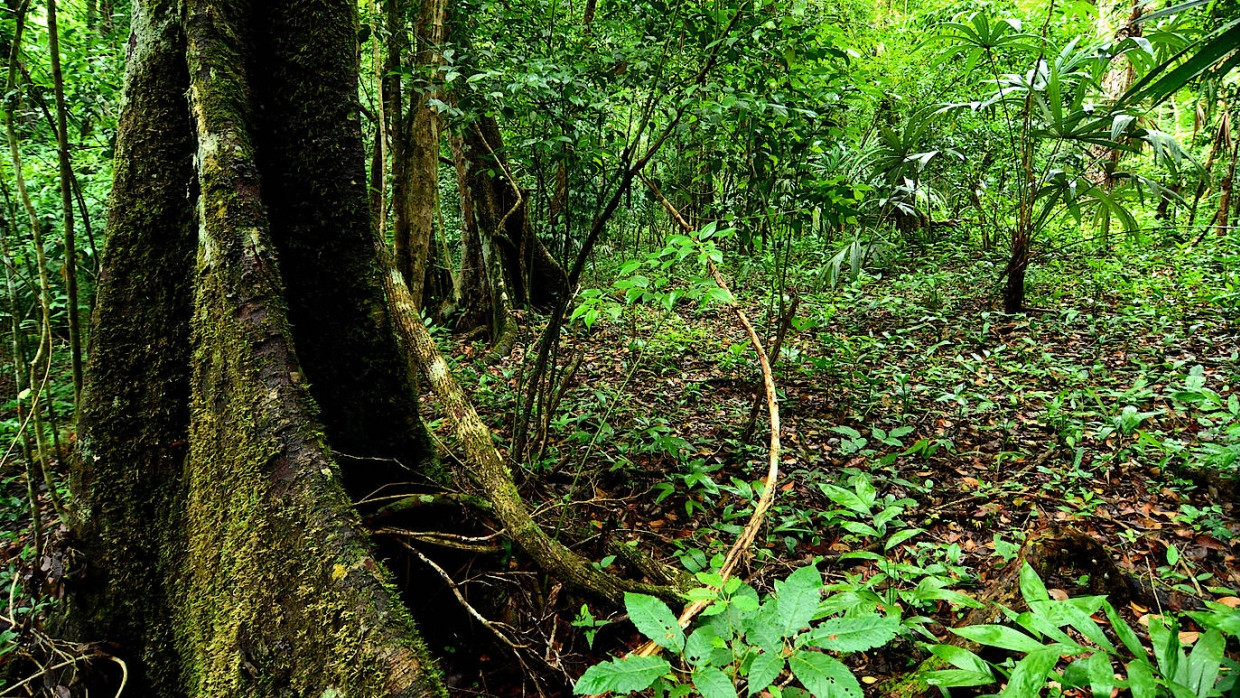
<point x="764" y="502"/>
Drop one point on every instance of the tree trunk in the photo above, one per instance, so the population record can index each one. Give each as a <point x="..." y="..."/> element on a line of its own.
<point x="1222" y="218"/>
<point x="66" y="203"/>
<point x="224" y="556"/>
<point x="516" y="262"/>
<point x="1014" y="287"/>
<point x="1118" y="79"/>
<point x="422" y="152"/>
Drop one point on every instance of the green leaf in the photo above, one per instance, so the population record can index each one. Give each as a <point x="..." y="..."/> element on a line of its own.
<point x="1160" y="83"/>
<point x="762" y="629"/>
<point x="901" y="536"/>
<point x="823" y="676"/>
<point x="655" y="620"/>
<point x="1141" y="679"/>
<point x="957" y="678"/>
<point x="999" y="636"/>
<point x="1204" y="662"/>
<point x="1101" y="675"/>
<point x="1029" y="676"/>
<point x="713" y="683"/>
<point x="1165" y="640"/>
<point x="699" y="646"/>
<point x="1031" y="586"/>
<point x="720" y="295"/>
<point x="1123" y="631"/>
<point x="961" y="659"/>
<point x="622" y="675"/>
<point x="845" y="498"/>
<point x="1225" y="619"/>
<point x="856" y="634"/>
<point x="764" y="670"/>
<point x="796" y="599"/>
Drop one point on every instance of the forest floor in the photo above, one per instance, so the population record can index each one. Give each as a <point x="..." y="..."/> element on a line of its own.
<point x="925" y="437"/>
<point x="1110" y="410"/>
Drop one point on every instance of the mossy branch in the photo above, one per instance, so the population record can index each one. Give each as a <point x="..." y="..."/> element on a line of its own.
<point x="487" y="468"/>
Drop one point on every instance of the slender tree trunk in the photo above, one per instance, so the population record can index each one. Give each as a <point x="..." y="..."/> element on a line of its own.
<point x="1225" y="192"/>
<point x="1221" y="137"/>
<point x="516" y="262"/>
<point x="243" y="352"/>
<point x="395" y="12"/>
<point x="66" y="203"/>
<point x="475" y="294"/>
<point x="418" y="171"/>
<point x="42" y="358"/>
<point x="1117" y="80"/>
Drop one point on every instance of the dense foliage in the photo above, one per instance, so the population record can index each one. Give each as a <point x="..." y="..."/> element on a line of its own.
<point x="991" y="247"/>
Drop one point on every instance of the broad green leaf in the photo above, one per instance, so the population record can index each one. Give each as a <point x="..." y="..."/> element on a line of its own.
<point x="764" y="670"/>
<point x="1141" y="679"/>
<point x="622" y="675"/>
<point x="655" y="620"/>
<point x="999" y="636"/>
<point x="957" y="678"/>
<point x="845" y="498"/>
<point x="1169" y="654"/>
<point x="1031" y="586"/>
<point x="796" y="599"/>
<point x="762" y="629"/>
<point x="1101" y="675"/>
<point x="823" y="676"/>
<point x="1225" y="619"/>
<point x="856" y="634"/>
<point x="1123" y="631"/>
<point x="1029" y="676"/>
<point x="1204" y="662"/>
<point x="699" y="646"/>
<point x="900" y="536"/>
<point x="713" y="683"/>
<point x="961" y="659"/>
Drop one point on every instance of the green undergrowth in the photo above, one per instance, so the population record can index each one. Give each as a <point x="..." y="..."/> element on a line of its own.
<point x="926" y="435"/>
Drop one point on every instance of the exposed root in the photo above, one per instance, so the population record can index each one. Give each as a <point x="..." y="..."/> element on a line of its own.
<point x="487" y="470"/>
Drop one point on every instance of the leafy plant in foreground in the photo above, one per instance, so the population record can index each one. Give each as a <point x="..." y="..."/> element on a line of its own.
<point x="744" y="642"/>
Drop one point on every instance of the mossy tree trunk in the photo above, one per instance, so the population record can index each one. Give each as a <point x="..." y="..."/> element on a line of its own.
<point x="244" y="370"/>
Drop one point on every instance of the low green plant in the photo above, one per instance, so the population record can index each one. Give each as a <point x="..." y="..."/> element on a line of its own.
<point x="589" y="624"/>
<point x="743" y="642"/>
<point x="1042" y="640"/>
<point x="865" y="514"/>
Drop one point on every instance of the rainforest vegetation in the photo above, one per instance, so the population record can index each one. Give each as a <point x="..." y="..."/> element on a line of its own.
<point x="584" y="347"/>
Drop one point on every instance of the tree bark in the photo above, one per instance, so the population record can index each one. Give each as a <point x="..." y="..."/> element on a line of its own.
<point x="1014" y="287"/>
<point x="421" y="173"/>
<point x="501" y="251"/>
<point x="1222" y="218"/>
<point x="224" y="555"/>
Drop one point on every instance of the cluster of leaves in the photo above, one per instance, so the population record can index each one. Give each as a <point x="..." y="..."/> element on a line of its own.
<point x="657" y="285"/>
<point x="746" y="641"/>
<point x="1041" y="637"/>
<point x="752" y="643"/>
